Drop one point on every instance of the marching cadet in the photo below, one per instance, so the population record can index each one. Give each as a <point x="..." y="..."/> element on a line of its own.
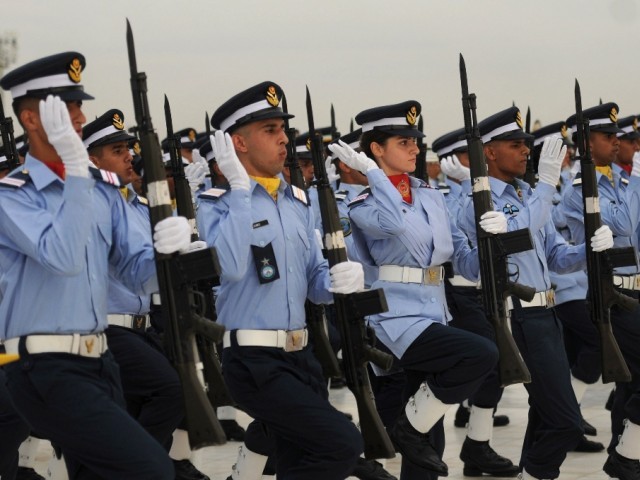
<point x="580" y="337"/>
<point x="464" y="302"/>
<point x="402" y="226"/>
<point x="620" y="210"/>
<point x="629" y="146"/>
<point x="13" y="431"/>
<point x="554" y="426"/>
<point x="62" y="225"/>
<point x="187" y="140"/>
<point x="263" y="231"/>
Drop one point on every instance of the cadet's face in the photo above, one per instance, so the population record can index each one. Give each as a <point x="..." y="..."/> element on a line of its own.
<point x="187" y="153"/>
<point x="433" y="169"/>
<point x="116" y="158"/>
<point x="306" y="167"/>
<point x="604" y="147"/>
<point x="506" y="159"/>
<point x="261" y="147"/>
<point x="397" y="155"/>
<point x="626" y="151"/>
<point x="77" y="117"/>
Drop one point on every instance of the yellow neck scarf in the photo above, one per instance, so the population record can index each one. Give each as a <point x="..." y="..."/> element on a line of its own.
<point x="125" y="192"/>
<point x="270" y="184"/>
<point x="606" y="171"/>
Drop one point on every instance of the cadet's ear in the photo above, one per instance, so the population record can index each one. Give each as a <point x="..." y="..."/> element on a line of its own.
<point x="376" y="149"/>
<point x="239" y="143"/>
<point x="30" y="120"/>
<point x="95" y="160"/>
<point x="489" y="152"/>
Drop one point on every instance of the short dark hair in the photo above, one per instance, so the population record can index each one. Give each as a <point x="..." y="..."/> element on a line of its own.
<point x="371" y="136"/>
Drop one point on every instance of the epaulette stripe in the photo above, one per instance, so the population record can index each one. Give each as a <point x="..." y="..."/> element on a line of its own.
<point x="577" y="181"/>
<point x="300" y="194"/>
<point x="12" y="182"/>
<point x="213" y="193"/>
<point x="360" y="198"/>
<point x="624" y="180"/>
<point x="106" y="176"/>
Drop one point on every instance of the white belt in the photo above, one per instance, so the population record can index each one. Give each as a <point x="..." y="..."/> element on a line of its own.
<point x="627" y="282"/>
<point x="136" y="322"/>
<point x="541" y="299"/>
<point x="424" y="276"/>
<point x="288" y="340"/>
<point x="460" y="281"/>
<point x="84" y="345"/>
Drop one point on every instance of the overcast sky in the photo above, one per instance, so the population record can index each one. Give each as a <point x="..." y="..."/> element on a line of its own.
<point x="356" y="54"/>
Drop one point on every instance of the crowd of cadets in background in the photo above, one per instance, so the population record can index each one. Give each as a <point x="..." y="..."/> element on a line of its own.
<point x="413" y="237"/>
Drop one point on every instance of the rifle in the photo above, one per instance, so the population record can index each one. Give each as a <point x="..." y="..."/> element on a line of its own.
<point x="203" y="289"/>
<point x="176" y="273"/>
<point x="421" y="159"/>
<point x="493" y="250"/>
<point x="315" y="314"/>
<point x="8" y="140"/>
<point x="335" y="134"/>
<point x="357" y="341"/>
<point x="601" y="294"/>
<point x="530" y="173"/>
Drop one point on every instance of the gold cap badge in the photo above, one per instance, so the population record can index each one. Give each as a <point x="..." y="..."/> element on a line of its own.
<point x="136" y="148"/>
<point x="613" y="115"/>
<point x="412" y="115"/>
<point x="272" y="96"/>
<point x="118" y="122"/>
<point x="519" y="119"/>
<point x="563" y="130"/>
<point x="308" y="144"/>
<point x="192" y="135"/>
<point x="75" y="70"/>
<point x="634" y="125"/>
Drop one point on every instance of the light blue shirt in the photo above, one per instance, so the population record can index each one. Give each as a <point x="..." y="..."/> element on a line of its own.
<point x="121" y="299"/>
<point x="57" y="241"/>
<point x="389" y="231"/>
<point x="533" y="211"/>
<point x="239" y="219"/>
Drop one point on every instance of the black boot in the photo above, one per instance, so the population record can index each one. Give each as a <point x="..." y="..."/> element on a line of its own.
<point x="371" y="470"/>
<point x="25" y="473"/>
<point x="416" y="447"/>
<point x="621" y="467"/>
<point x="609" y="404"/>
<point x="479" y="458"/>
<point x="589" y="429"/>
<point x="232" y="430"/>
<point x="185" y="470"/>
<point x="589" y="446"/>
<point x="462" y="418"/>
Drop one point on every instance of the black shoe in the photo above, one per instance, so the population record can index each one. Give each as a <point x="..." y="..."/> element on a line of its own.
<point x="479" y="458"/>
<point x="621" y="467"/>
<point x="589" y="446"/>
<point x="232" y="430"/>
<point x="462" y="418"/>
<point x="185" y="470"/>
<point x="589" y="429"/>
<point x="416" y="447"/>
<point x="609" y="404"/>
<point x="25" y="473"/>
<point x="371" y="470"/>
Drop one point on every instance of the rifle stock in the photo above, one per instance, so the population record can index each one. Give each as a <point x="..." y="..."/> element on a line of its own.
<point x="175" y="274"/>
<point x="493" y="250"/>
<point x="357" y="341"/>
<point x="601" y="294"/>
<point x="530" y="173"/>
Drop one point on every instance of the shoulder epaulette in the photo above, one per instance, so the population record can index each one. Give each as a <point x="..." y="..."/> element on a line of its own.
<point x="16" y="179"/>
<point x="444" y="188"/>
<point x="625" y="180"/>
<point x="143" y="200"/>
<point x="360" y="198"/>
<point x="213" y="193"/>
<point x="341" y="195"/>
<point x="300" y="195"/>
<point x="106" y="176"/>
<point x="577" y="181"/>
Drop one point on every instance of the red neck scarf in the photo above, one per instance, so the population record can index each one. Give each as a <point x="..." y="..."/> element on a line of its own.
<point x="403" y="185"/>
<point x="626" y="167"/>
<point x="56" y="167"/>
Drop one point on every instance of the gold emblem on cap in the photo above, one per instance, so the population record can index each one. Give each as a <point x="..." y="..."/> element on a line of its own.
<point x="613" y="115"/>
<point x="118" y="122"/>
<point x="634" y="124"/>
<point x="563" y="130"/>
<point x="308" y="144"/>
<point x="136" y="148"/>
<point x="519" y="119"/>
<point x="75" y="70"/>
<point x="412" y="115"/>
<point x="192" y="135"/>
<point x="272" y="96"/>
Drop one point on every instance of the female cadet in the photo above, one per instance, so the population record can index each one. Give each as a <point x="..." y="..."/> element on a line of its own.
<point x="401" y="225"/>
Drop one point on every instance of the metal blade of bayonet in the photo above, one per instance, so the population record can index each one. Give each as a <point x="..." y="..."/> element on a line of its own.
<point x="312" y="128"/>
<point x="579" y="119"/>
<point x="167" y="116"/>
<point x="131" y="49"/>
<point x="334" y="130"/>
<point x="207" y="123"/>
<point x="527" y="123"/>
<point x="351" y="126"/>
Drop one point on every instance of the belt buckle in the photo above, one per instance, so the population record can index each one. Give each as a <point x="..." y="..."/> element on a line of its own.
<point x="90" y="346"/>
<point x="295" y="341"/>
<point x="637" y="282"/>
<point x="139" y="322"/>
<point x="550" y="296"/>
<point x="433" y="276"/>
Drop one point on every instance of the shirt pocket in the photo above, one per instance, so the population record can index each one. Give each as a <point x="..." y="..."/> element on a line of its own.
<point x="105" y="233"/>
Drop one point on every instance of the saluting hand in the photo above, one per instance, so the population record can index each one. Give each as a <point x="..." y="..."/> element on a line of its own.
<point x="56" y="122"/>
<point x="351" y="158"/>
<point x="228" y="162"/>
<point x="195" y="174"/>
<point x="551" y="157"/>
<point x="452" y="168"/>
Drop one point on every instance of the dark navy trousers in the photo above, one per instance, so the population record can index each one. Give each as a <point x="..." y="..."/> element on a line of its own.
<point x="13" y="431"/>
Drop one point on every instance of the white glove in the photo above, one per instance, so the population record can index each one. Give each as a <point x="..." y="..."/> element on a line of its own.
<point x="63" y="137"/>
<point x="228" y="162"/>
<point x="193" y="246"/>
<point x="195" y="173"/>
<point x="635" y="170"/>
<point x="551" y="157"/>
<point x="452" y="168"/>
<point x="493" y="222"/>
<point x="196" y="157"/>
<point x="332" y="174"/>
<point x="173" y="234"/>
<point x="351" y="158"/>
<point x="319" y="238"/>
<point x="346" y="277"/>
<point x="602" y="239"/>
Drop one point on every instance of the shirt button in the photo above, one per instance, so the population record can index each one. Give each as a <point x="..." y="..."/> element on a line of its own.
<point x="290" y="269"/>
<point x="291" y="300"/>
<point x="433" y="300"/>
<point x="261" y="243"/>
<point x="288" y="237"/>
<point x="246" y="200"/>
<point x="93" y="277"/>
